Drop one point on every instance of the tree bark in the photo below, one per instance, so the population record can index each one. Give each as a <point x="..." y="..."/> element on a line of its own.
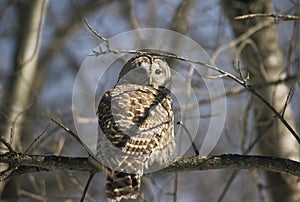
<point x="21" y="89"/>
<point x="262" y="57"/>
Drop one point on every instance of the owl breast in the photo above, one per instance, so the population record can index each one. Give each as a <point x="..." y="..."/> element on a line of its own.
<point x="138" y="120"/>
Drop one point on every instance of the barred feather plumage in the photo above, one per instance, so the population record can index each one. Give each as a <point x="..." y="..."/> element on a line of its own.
<point x="136" y="120"/>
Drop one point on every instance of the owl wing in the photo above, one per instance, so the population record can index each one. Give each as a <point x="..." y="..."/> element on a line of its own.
<point x="136" y="120"/>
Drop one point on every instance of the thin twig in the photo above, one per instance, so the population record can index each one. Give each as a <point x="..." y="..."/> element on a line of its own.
<point x="78" y="185"/>
<point x="287" y="101"/>
<point x="240" y="72"/>
<point x="278" y="115"/>
<point x="260" y="185"/>
<point x="87" y="186"/>
<point x="272" y="15"/>
<point x="92" y="159"/>
<point x="190" y="138"/>
<point x="227" y="185"/>
<point x="215" y="77"/>
<point x="4" y="175"/>
<point x="99" y="37"/>
<point x="245" y="126"/>
<point x="231" y="76"/>
<point x="241" y="38"/>
<point x="10" y="147"/>
<point x="31" y="195"/>
<point x="69" y="131"/>
<point x="175" y="191"/>
<point x="94" y="31"/>
<point x="245" y="152"/>
<point x="36" y="139"/>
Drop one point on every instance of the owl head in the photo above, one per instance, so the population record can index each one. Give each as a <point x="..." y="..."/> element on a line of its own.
<point x="146" y="70"/>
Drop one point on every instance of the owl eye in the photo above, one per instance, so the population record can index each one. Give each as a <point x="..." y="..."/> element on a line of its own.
<point x="158" y="71"/>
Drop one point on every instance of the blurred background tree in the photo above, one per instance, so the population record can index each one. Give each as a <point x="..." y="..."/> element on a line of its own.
<point x="43" y="44"/>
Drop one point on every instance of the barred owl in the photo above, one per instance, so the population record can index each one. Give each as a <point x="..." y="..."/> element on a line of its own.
<point x="136" y="122"/>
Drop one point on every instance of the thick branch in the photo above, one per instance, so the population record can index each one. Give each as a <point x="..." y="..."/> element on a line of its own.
<point x="235" y="161"/>
<point x="24" y="163"/>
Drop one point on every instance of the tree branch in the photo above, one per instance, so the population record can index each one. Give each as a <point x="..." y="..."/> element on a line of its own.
<point x="25" y="163"/>
<point x="223" y="73"/>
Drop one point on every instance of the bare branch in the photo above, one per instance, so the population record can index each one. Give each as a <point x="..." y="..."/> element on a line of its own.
<point x="36" y="139"/>
<point x="70" y="132"/>
<point x="25" y="163"/>
<point x="288" y="98"/>
<point x="9" y="146"/>
<point x="227" y="185"/>
<point x="241" y="38"/>
<point x="87" y="186"/>
<point x="231" y="76"/>
<point x="272" y="15"/>
<point x="235" y="161"/>
<point x="92" y="160"/>
<point x="94" y="31"/>
<point x="190" y="138"/>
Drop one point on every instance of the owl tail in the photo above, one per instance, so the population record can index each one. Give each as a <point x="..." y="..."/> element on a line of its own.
<point x="122" y="185"/>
